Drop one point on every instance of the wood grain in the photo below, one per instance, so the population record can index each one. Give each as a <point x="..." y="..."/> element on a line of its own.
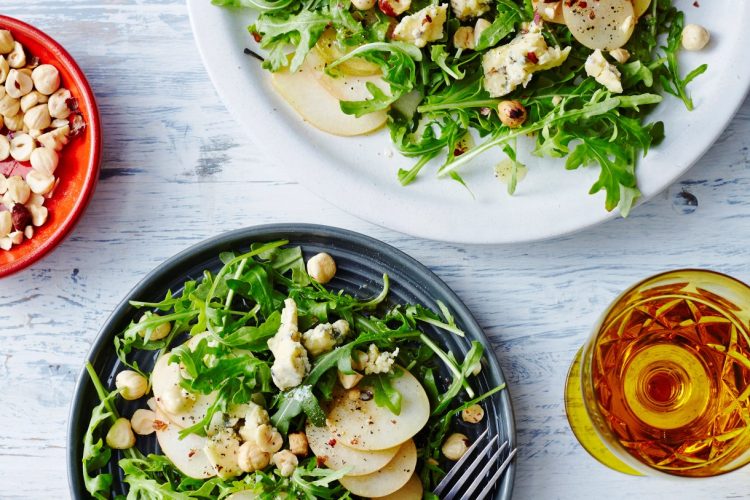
<point x="178" y="169"/>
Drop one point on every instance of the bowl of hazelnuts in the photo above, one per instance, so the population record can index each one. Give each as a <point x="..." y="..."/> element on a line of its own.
<point x="50" y="144"/>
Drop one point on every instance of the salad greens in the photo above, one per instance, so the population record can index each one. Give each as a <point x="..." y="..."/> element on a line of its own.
<point x="437" y="97"/>
<point x="231" y="315"/>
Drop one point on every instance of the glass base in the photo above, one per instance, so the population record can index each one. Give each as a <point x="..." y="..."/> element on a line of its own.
<point x="581" y="423"/>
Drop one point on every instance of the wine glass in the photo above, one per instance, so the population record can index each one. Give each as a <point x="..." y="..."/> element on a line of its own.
<point x="662" y="386"/>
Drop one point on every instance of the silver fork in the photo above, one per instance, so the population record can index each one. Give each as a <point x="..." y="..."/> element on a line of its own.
<point x="456" y="490"/>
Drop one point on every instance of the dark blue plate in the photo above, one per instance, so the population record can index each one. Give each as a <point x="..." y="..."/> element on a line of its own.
<point x="361" y="263"/>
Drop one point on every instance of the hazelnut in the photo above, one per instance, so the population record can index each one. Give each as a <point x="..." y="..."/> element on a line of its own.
<point x="21" y="147"/>
<point x="58" y="103"/>
<point x="695" y="37"/>
<point x="143" y="421"/>
<point x="9" y="106"/>
<point x="4" y="150"/>
<point x="38" y="213"/>
<point x="157" y="332"/>
<point x="40" y="182"/>
<point x="6" y="223"/>
<point x="463" y="38"/>
<point x="321" y="268"/>
<point x="473" y="414"/>
<point x="44" y="160"/>
<point x="37" y="118"/>
<point x="349" y="380"/>
<point x="251" y="458"/>
<point x="620" y="55"/>
<point x="455" y="446"/>
<point x="18" y="190"/>
<point x="363" y="4"/>
<point x="511" y="113"/>
<point x="17" y="57"/>
<point x="6" y="41"/>
<point x="131" y="384"/>
<point x="46" y="78"/>
<point x="21" y="217"/>
<point x="120" y="435"/>
<point x="4" y="69"/>
<point x="14" y="123"/>
<point x="18" y="84"/>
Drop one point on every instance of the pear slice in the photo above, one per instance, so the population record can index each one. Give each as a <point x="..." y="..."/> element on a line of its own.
<point x="640" y="6"/>
<point x="387" y="480"/>
<point x="363" y="425"/>
<point x="165" y="378"/>
<point x="186" y="454"/>
<point x="336" y="455"/>
<point x="329" y="50"/>
<point x="344" y="87"/>
<point x="317" y="106"/>
<point x="412" y="490"/>
<point x="601" y="24"/>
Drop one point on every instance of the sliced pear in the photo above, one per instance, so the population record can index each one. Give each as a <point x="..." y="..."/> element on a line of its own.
<point x="387" y="480"/>
<point x="640" y="6"/>
<point x="344" y="87"/>
<point x="318" y="107"/>
<point x="412" y="490"/>
<point x="186" y="454"/>
<point x="363" y="425"/>
<point x="550" y="11"/>
<point x="165" y="379"/>
<point x="222" y="450"/>
<point x="601" y="24"/>
<point x="329" y="50"/>
<point x="336" y="455"/>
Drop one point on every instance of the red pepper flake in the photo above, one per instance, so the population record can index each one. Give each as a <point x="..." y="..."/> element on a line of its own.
<point x="427" y="19"/>
<point x="160" y="425"/>
<point x="531" y="56"/>
<point x="331" y="442"/>
<point x="192" y="453"/>
<point x="696" y="4"/>
<point x="320" y="461"/>
<point x="256" y="36"/>
<point x="459" y="150"/>
<point x="583" y="5"/>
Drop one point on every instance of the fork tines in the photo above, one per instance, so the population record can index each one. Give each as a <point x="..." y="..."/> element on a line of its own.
<point x="468" y="464"/>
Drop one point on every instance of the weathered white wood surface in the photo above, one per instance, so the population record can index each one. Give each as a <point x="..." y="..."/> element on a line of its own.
<point x="177" y="169"/>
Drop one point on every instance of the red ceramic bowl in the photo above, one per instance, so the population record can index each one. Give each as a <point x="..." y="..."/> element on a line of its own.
<point x="79" y="160"/>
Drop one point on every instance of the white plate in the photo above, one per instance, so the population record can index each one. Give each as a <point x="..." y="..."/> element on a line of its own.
<point x="359" y="174"/>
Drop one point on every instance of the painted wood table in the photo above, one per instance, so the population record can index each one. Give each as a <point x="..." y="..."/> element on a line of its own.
<point x="178" y="169"/>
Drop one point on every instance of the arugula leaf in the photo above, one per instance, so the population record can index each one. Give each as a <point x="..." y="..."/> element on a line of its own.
<point x="260" y="5"/>
<point x="300" y="30"/>
<point x="293" y="403"/>
<point x="384" y="393"/>
<point x="503" y="25"/>
<point x="672" y="81"/>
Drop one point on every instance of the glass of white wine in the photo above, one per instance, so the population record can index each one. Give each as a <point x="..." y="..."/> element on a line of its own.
<point x="663" y="384"/>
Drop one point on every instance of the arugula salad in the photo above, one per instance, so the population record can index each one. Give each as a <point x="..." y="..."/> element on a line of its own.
<point x="453" y="79"/>
<point x="268" y="384"/>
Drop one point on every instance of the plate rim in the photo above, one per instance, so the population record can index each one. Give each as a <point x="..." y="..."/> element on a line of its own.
<point x="410" y="266"/>
<point x="419" y="225"/>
